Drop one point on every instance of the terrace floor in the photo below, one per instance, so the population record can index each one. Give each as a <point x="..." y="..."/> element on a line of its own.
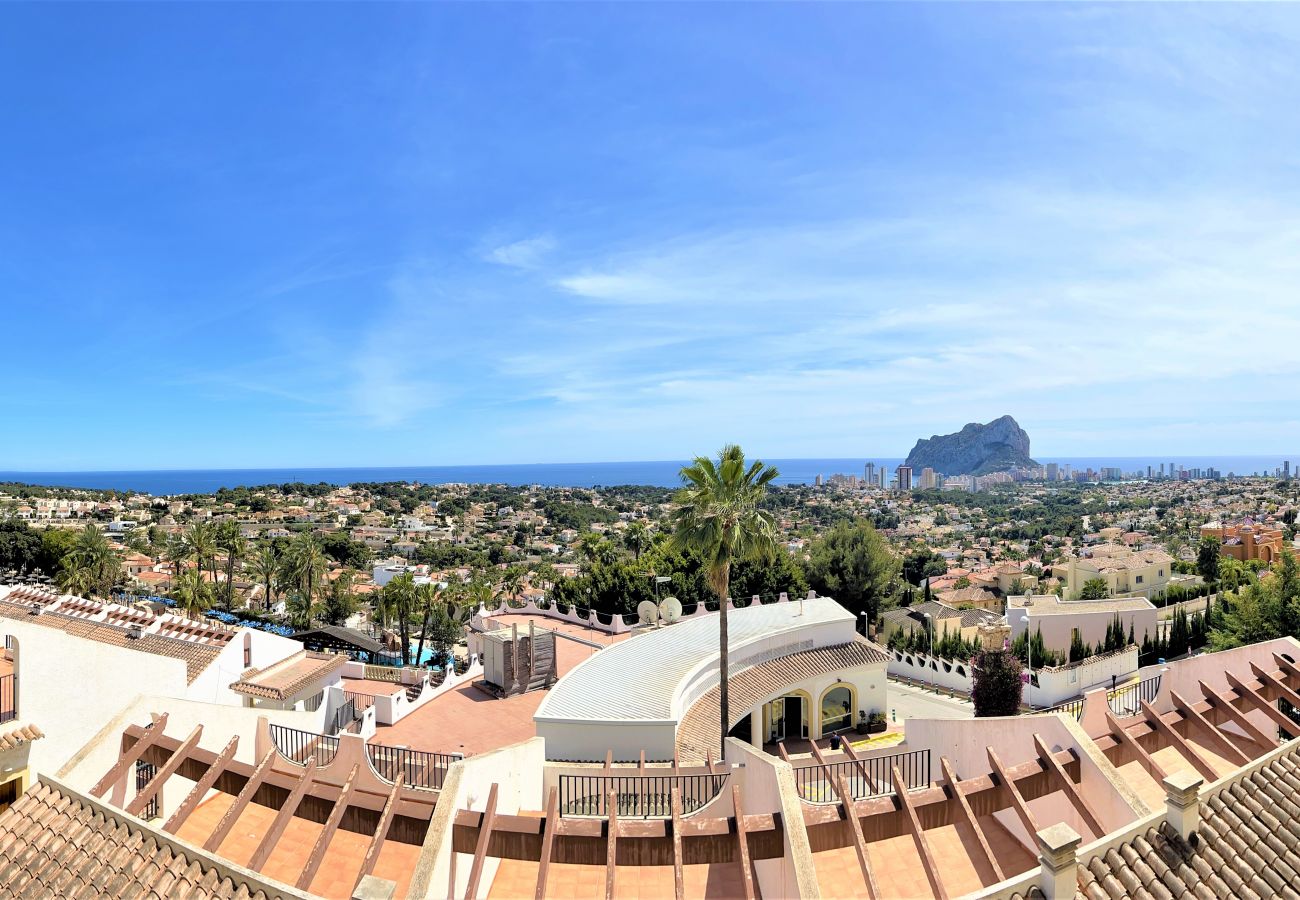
<point x="469" y="720"/>
<point x="518" y="878"/>
<point x="338" y="871"/>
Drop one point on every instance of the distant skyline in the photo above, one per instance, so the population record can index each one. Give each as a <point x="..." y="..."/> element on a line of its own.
<point x="243" y="236"/>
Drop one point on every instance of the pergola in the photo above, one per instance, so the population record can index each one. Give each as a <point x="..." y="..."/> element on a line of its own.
<point x="336" y="639"/>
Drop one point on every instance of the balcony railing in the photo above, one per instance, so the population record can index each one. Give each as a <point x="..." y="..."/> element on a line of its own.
<point x="1127" y="701"/>
<point x="419" y="768"/>
<point x="296" y="745"/>
<point x="872" y="776"/>
<point x="8" y="697"/>
<point x="636" y="796"/>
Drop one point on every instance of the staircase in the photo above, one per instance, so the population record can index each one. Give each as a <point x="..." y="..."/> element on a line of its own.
<point x="413" y="692"/>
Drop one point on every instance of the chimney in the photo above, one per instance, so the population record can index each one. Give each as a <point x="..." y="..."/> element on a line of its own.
<point x="1182" y="803"/>
<point x="1059" y="876"/>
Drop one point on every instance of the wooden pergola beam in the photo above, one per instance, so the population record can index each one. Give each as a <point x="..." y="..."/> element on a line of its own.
<point x="611" y="842"/>
<point x="1116" y="728"/>
<point x="971" y="821"/>
<point x="150" y="790"/>
<point x="1071" y="789"/>
<point x="386" y="821"/>
<point x="125" y="759"/>
<point x="1191" y="714"/>
<point x="327" y="833"/>
<point x="742" y="845"/>
<point x="1270" y="680"/>
<point x="201" y="788"/>
<point x="548" y="841"/>
<point x="481" y="847"/>
<point x="241" y="802"/>
<point x="826" y="769"/>
<point x="282" y="818"/>
<point x="1267" y="707"/>
<point x="859" y="843"/>
<point x="918" y="836"/>
<point x="861" y="767"/>
<point x="1225" y="705"/>
<point x="1017" y="799"/>
<point x="1184" y="747"/>
<point x="679" y="889"/>
<point x="1288" y="668"/>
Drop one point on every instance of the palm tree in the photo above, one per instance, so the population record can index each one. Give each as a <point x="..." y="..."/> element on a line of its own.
<point x="636" y="539"/>
<point x="92" y="566"/>
<point x="717" y="515"/>
<point x="177" y="551"/>
<point x="265" y="566"/>
<point x="397" y="601"/>
<point x="192" y="594"/>
<point x="512" y="583"/>
<point x="301" y="609"/>
<point x="230" y="539"/>
<point x="202" y="546"/>
<point x="428" y="597"/>
<point x="304" y="566"/>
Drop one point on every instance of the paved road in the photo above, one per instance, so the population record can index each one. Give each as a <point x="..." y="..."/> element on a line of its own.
<point x="906" y="702"/>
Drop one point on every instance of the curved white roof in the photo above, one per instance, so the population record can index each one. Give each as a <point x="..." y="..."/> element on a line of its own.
<point x="637" y="679"/>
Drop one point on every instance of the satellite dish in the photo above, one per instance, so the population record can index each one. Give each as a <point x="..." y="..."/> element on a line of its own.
<point x="670" y="609"/>
<point x="647" y="613"/>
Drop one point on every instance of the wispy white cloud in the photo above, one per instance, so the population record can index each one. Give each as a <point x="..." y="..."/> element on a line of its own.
<point x="528" y="253"/>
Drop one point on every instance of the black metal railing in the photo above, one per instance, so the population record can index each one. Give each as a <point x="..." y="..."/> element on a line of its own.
<point x="360" y="702"/>
<point x="345" y="717"/>
<point x="1127" y="701"/>
<point x="637" y="796"/>
<point x="8" y="697"/>
<point x="296" y="745"/>
<point x="1071" y="707"/>
<point x="144" y="773"/>
<point x="420" y="768"/>
<point x="877" y="779"/>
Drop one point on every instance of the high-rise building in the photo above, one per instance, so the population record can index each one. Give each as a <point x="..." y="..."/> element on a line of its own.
<point x="904" y="474"/>
<point x="818" y="481"/>
<point x="1286" y="470"/>
<point x="1162" y="470"/>
<point x="1148" y="473"/>
<point x="1051" y="471"/>
<point x="869" y="474"/>
<point x="927" y="479"/>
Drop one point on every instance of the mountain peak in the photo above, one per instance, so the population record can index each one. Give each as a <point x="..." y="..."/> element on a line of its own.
<point x="975" y="450"/>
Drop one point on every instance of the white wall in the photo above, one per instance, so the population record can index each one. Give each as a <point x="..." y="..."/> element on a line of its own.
<point x="213" y="683"/>
<point x="518" y="772"/>
<point x="70" y="687"/>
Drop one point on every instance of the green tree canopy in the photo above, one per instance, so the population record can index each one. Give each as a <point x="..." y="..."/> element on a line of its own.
<point x="854" y="564"/>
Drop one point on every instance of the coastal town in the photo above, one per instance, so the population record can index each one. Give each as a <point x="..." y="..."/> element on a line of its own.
<point x="416" y="690"/>
<point x="564" y="451"/>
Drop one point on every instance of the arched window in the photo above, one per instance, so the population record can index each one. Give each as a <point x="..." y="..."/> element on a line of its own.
<point x="837" y="709"/>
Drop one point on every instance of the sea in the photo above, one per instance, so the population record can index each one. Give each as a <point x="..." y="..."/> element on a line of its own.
<point x="661" y="473"/>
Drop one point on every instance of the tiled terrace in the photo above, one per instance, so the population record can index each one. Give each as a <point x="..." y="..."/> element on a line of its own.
<point x="469" y="720"/>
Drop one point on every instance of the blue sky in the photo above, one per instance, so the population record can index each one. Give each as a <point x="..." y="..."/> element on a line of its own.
<point x="321" y="234"/>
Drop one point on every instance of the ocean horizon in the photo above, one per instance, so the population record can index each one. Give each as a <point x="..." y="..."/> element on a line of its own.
<point x="660" y="473"/>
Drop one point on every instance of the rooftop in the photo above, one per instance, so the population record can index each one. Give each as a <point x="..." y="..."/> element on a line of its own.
<point x="290" y="676"/>
<point x="638" y="679"/>
<point x="1052" y="605"/>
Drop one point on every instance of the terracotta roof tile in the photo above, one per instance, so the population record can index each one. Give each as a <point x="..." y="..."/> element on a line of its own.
<point x="55" y="843"/>
<point x="288" y="677"/>
<point x="16" y="737"/>
<point x="1244" y="847"/>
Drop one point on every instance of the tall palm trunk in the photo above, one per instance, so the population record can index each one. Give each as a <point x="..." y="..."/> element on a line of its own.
<point x="424" y="630"/>
<point x="724" y="656"/>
